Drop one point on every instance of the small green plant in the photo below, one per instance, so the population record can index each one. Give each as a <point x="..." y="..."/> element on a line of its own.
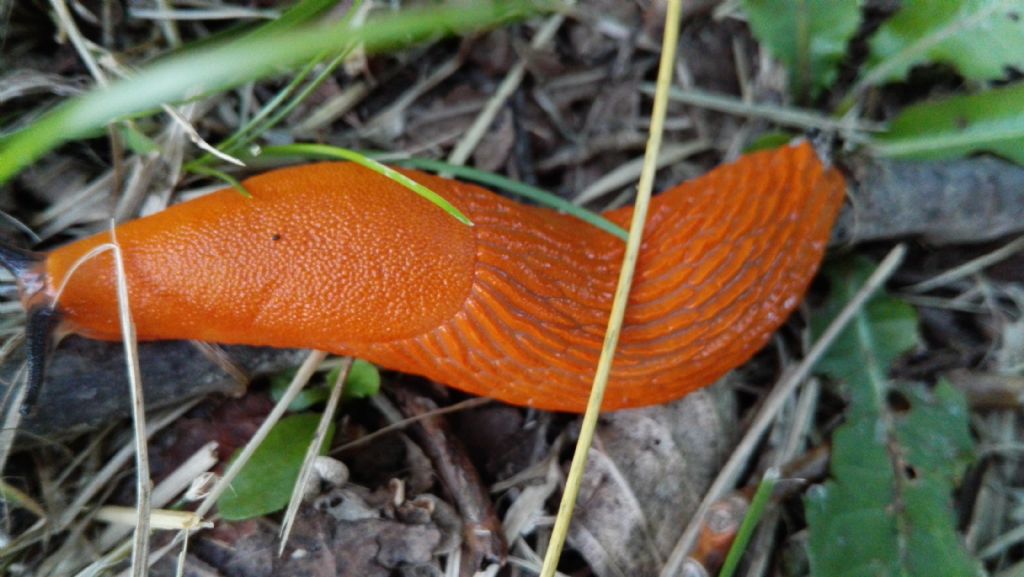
<point x="265" y="483"/>
<point x="363" y="381"/>
<point x="982" y="40"/>
<point x="895" y="461"/>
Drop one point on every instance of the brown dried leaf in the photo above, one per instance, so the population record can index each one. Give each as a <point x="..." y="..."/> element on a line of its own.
<point x="647" y="473"/>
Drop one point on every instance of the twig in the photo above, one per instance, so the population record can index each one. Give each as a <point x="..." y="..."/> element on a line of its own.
<point x="773" y="404"/>
<point x="483" y="539"/>
<point x="786" y="116"/>
<point x="969" y="268"/>
<point x="406" y="422"/>
<point x="201" y="461"/>
<point x="512" y="81"/>
<point x="312" y="452"/>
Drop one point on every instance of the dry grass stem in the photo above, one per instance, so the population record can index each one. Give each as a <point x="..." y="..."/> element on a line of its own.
<point x="853" y="131"/>
<point x="628" y="172"/>
<point x="306" y="471"/>
<point x="618" y="312"/>
<point x="508" y="86"/>
<point x="969" y="268"/>
<point x="773" y="403"/>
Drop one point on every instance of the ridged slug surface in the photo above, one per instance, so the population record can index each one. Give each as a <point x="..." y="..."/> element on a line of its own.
<point x="335" y="257"/>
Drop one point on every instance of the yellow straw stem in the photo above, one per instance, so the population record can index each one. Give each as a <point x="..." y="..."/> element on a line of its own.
<point x="611" y="338"/>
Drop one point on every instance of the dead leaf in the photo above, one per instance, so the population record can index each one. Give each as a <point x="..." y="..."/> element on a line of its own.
<point x="647" y="473"/>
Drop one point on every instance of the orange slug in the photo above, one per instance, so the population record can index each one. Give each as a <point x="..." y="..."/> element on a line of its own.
<point x="335" y="257"/>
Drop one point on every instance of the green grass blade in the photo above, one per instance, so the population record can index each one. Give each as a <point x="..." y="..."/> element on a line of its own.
<point x="533" y="193"/>
<point x="250" y="130"/>
<point x="225" y="177"/>
<point x="280" y="107"/>
<point x="325" y="151"/>
<point x="750" y="521"/>
<point x="193" y="73"/>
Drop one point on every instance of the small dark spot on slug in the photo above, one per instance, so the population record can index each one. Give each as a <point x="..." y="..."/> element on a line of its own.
<point x="962" y="123"/>
<point x="1013" y="16"/>
<point x="276" y="237"/>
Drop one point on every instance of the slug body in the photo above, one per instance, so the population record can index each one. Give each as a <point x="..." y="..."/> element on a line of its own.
<point x="335" y="257"/>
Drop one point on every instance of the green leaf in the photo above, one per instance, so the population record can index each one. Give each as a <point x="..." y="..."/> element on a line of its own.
<point x="991" y="121"/>
<point x="363" y="380"/>
<point x="135" y="140"/>
<point x="265" y="483"/>
<point x="982" y="39"/>
<point x="886" y="510"/>
<point x="770" y="141"/>
<point x="306" y="398"/>
<point x="808" y="36"/>
<point x="886" y="328"/>
<point x="757" y="509"/>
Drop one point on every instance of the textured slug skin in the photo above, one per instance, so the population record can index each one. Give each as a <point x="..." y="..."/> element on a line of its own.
<point x="335" y="257"/>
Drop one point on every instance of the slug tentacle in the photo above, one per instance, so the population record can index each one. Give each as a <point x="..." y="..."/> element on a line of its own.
<point x="335" y="257"/>
<point x="42" y="322"/>
<point x="27" y="268"/>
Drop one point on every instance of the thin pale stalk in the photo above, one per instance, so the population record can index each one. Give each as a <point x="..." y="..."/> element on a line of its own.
<point x="773" y="403"/>
<point x="312" y="453"/>
<point x="636" y="229"/>
<point x="143" y="486"/>
<point x="302" y="377"/>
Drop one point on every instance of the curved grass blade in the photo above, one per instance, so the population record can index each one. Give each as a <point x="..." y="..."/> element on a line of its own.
<point x="194" y="73"/>
<point x="533" y="193"/>
<point x="325" y="151"/>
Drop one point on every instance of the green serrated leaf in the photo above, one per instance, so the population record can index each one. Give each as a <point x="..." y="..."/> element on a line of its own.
<point x="935" y="464"/>
<point x="886" y="510"/>
<point x="991" y="121"/>
<point x="808" y="36"/>
<point x="952" y="449"/>
<point x="265" y="484"/>
<point x="982" y="39"/>
<point x="890" y="329"/>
